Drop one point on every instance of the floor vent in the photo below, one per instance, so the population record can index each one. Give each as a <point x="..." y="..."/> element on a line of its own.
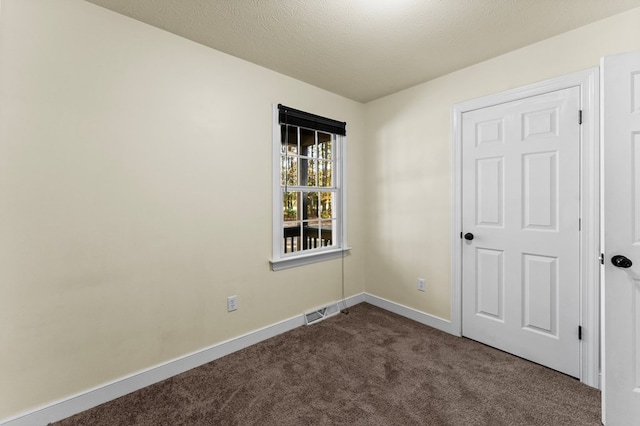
<point x="319" y="314"/>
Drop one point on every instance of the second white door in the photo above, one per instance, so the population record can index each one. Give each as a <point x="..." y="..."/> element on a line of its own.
<point x="520" y="214"/>
<point x="621" y="301"/>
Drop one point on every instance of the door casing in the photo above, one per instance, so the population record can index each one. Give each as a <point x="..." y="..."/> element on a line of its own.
<point x="590" y="251"/>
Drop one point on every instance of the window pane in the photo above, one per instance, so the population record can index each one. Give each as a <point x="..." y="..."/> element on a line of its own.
<point x="289" y="139"/>
<point x="311" y="203"/>
<point x="325" y="145"/>
<point x="289" y="171"/>
<point x="311" y="176"/>
<point x="325" y="175"/>
<point x="311" y="237"/>
<point x="328" y="232"/>
<point x="308" y="142"/>
<point x="318" y="234"/>
<point x="291" y="236"/>
<point x="290" y="206"/>
<point x="326" y="205"/>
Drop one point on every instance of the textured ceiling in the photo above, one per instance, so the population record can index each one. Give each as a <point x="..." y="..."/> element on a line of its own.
<point x="366" y="49"/>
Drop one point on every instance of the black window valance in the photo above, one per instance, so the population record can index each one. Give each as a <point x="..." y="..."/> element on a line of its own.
<point x="299" y="118"/>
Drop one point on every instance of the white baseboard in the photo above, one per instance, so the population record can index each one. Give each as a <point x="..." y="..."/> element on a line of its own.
<point x="91" y="398"/>
<point x="405" y="311"/>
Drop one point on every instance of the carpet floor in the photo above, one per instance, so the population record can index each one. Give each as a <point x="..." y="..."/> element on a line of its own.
<point x="370" y="367"/>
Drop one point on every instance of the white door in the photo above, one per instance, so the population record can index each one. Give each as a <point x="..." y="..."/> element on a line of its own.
<point x="621" y="286"/>
<point x="520" y="220"/>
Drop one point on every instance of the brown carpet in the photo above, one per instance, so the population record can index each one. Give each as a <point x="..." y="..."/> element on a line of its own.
<point x="370" y="367"/>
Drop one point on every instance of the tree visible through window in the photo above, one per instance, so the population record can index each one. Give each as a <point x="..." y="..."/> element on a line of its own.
<point x="309" y="190"/>
<point x="307" y="165"/>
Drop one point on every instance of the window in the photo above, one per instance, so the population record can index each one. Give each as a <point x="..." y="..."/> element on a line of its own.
<point x="308" y="188"/>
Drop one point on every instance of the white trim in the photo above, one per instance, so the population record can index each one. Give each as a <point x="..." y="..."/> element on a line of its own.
<point x="275" y="184"/>
<point x="308" y="258"/>
<point x="603" y="337"/>
<point x="407" y="312"/>
<point x="590" y="244"/>
<point x="93" y="397"/>
<point x="587" y="81"/>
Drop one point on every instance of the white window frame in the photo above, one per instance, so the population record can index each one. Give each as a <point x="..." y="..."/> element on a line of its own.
<point x="281" y="260"/>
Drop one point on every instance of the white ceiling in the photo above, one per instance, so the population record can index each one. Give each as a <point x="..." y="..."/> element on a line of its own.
<point x="366" y="49"/>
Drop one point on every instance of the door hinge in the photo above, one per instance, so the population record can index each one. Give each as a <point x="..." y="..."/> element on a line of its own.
<point x="579" y="332"/>
<point x="601" y="258"/>
<point x="579" y="116"/>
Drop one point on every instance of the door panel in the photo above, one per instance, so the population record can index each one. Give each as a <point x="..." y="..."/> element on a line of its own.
<point x="540" y="294"/>
<point x="490" y="283"/>
<point x="621" y="294"/>
<point x="489" y="132"/>
<point x="635" y="149"/>
<point x="636" y="338"/>
<point x="540" y="124"/>
<point x="521" y="290"/>
<point x="635" y="90"/>
<point x="489" y="192"/>
<point x="540" y="191"/>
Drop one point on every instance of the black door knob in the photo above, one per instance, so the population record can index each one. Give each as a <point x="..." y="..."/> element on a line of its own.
<point x="621" y="261"/>
<point x="468" y="236"/>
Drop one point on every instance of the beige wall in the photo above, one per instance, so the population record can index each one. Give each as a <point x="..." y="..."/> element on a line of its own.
<point x="408" y="134"/>
<point x="135" y="196"/>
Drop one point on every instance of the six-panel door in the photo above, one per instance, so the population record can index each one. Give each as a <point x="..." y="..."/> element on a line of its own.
<point x="520" y="187"/>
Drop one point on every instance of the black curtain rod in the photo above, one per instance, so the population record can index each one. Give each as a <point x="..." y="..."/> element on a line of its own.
<point x="295" y="117"/>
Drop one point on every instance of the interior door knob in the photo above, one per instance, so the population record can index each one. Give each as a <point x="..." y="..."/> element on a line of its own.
<point x="621" y="261"/>
<point x="468" y="236"/>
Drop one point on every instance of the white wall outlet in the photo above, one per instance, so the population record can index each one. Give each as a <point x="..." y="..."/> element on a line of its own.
<point x="421" y="284"/>
<point x="232" y="303"/>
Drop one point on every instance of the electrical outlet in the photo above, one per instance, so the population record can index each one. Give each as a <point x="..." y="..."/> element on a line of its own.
<point x="232" y="303"/>
<point x="421" y="284"/>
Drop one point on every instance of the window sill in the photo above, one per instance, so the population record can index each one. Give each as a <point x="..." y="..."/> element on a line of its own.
<point x="306" y="259"/>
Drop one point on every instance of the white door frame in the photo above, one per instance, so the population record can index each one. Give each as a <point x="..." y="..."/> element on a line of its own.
<point x="587" y="81"/>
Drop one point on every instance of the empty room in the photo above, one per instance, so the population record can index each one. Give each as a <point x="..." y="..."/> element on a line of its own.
<point x="319" y="212"/>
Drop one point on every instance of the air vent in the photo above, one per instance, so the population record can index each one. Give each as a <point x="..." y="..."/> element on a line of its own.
<point x="319" y="314"/>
